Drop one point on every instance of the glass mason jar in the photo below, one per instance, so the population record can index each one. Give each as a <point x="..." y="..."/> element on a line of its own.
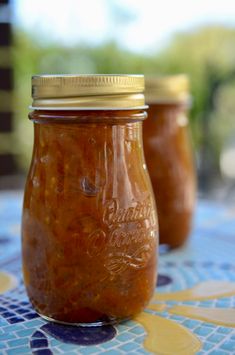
<point x="89" y="225"/>
<point x="169" y="157"/>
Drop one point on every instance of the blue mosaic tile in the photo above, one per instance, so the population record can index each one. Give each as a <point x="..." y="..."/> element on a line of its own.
<point x="189" y="303"/>
<point x="128" y="347"/>
<point x="3" y="322"/>
<point x="43" y="352"/>
<point x="80" y="335"/>
<point x="124" y="337"/>
<point x="177" y="317"/>
<point x="170" y="264"/>
<point x="140" y="339"/>
<point x="224" y="330"/>
<point x="20" y="350"/>
<point x="137" y="330"/>
<point x="25" y="303"/>
<point x="34" y="323"/>
<point x="163" y="280"/>
<point x="218" y="352"/>
<point x="13" y="328"/>
<point x="131" y="323"/>
<point x="88" y="350"/>
<point x="54" y="342"/>
<point x="205" y="303"/>
<point x="22" y="311"/>
<point x="112" y="352"/>
<point x="143" y="351"/>
<point x="8" y="314"/>
<point x="215" y="338"/>
<point x="67" y="348"/>
<point x="225" y="266"/>
<point x="207" y="264"/>
<point x="31" y="315"/>
<point x="13" y="306"/>
<point x="38" y="334"/>
<point x="14" y="320"/>
<point x="3" y="346"/>
<point x="210" y="325"/>
<point x="38" y="343"/>
<point x="23" y="333"/>
<point x="110" y="344"/>
<point x="7" y="336"/>
<point x="17" y="342"/>
<point x="204" y="331"/>
<point x="228" y="345"/>
<point x="121" y="327"/>
<point x="208" y="346"/>
<point x="191" y="324"/>
<point x="222" y="305"/>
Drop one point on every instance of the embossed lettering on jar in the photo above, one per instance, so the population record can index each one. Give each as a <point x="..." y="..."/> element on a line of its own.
<point x="89" y="228"/>
<point x="169" y="156"/>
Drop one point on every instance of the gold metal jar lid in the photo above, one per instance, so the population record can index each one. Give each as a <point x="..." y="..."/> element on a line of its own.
<point x="167" y="89"/>
<point x="87" y="92"/>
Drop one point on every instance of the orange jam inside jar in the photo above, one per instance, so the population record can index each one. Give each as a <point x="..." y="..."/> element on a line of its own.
<point x="89" y="225"/>
<point x="169" y="156"/>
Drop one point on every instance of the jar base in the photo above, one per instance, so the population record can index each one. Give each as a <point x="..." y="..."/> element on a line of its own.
<point x="98" y="323"/>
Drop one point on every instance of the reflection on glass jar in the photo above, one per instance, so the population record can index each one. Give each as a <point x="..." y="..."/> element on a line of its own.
<point x="169" y="156"/>
<point x="89" y="223"/>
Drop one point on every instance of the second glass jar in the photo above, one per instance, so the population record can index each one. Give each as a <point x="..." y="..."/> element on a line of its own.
<point x="169" y="157"/>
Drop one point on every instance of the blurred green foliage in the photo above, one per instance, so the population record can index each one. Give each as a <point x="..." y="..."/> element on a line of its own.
<point x="207" y="55"/>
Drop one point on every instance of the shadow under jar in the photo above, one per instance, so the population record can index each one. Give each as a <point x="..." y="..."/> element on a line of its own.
<point x="169" y="156"/>
<point x="89" y="226"/>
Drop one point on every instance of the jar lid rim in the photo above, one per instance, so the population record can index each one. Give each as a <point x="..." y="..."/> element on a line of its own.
<point x="167" y="88"/>
<point x="89" y="90"/>
<point x="80" y="108"/>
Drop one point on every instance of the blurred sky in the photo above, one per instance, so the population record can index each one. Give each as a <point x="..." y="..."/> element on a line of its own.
<point x="138" y="25"/>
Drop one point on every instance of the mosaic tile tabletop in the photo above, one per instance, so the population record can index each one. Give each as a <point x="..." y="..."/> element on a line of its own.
<point x="208" y="258"/>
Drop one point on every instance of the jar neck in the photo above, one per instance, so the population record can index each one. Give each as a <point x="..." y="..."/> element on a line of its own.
<point x="87" y="116"/>
<point x="180" y="104"/>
